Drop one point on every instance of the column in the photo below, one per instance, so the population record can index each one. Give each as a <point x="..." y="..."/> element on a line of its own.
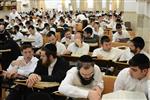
<point x="83" y="5"/>
<point x="41" y="4"/>
<point x="107" y="5"/>
<point x="63" y="5"/>
<point x="121" y="5"/>
<point x="97" y="5"/>
<point x="19" y="4"/>
<point x="74" y="5"/>
<point x="114" y="5"/>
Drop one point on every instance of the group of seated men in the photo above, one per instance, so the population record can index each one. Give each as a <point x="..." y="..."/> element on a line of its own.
<point x="85" y="80"/>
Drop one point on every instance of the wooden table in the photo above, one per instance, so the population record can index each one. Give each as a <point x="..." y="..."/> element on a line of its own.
<point x="39" y="85"/>
<point x="101" y="63"/>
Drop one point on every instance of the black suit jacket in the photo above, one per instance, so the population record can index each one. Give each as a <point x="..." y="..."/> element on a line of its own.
<point x="58" y="72"/>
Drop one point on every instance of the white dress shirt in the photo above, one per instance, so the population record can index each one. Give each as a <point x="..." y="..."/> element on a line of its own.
<point x="125" y="81"/>
<point x="67" y="41"/>
<point x="72" y="87"/>
<point x="127" y="55"/>
<point x="14" y="15"/>
<point x="61" y="48"/>
<point x="117" y="36"/>
<point x="38" y="40"/>
<point x="27" y="69"/>
<point x="114" y="54"/>
<point x="17" y="36"/>
<point x="51" y="67"/>
<point x="76" y="51"/>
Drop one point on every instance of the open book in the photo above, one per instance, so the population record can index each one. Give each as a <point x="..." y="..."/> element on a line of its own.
<point x="124" y="95"/>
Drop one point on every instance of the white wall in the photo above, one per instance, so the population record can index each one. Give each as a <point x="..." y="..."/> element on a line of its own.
<point x="129" y="5"/>
<point x="52" y="4"/>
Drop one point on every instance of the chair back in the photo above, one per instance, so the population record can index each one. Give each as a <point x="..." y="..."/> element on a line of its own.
<point x="108" y="83"/>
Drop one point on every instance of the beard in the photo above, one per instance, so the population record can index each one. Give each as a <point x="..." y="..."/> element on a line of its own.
<point x="85" y="81"/>
<point x="133" y="51"/>
<point x="46" y="63"/>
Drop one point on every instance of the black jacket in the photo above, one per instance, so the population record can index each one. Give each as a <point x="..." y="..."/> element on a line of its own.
<point x="58" y="72"/>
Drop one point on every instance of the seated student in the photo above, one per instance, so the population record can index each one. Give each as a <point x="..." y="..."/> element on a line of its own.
<point x="136" y="77"/>
<point x="68" y="38"/>
<point x="52" y="39"/>
<point x="49" y="69"/>
<point x="89" y="36"/>
<point x="78" y="47"/>
<point x="37" y="37"/>
<point x="106" y="51"/>
<point x="120" y="35"/>
<point x="17" y="36"/>
<point x="23" y="65"/>
<point x="136" y="46"/>
<point x="83" y="81"/>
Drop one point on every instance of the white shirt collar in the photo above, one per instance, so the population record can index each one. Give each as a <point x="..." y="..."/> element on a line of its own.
<point x="53" y="63"/>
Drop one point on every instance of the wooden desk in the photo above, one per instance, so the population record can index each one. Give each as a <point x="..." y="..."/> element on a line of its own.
<point x="101" y="63"/>
<point x="39" y="85"/>
<point x="119" y="44"/>
<point x="6" y="50"/>
<point x="28" y="40"/>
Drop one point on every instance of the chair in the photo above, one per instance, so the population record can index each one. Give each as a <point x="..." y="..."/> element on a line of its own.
<point x="119" y="44"/>
<point x="132" y="34"/>
<point x="128" y="26"/>
<point x="108" y="83"/>
<point x="79" y="27"/>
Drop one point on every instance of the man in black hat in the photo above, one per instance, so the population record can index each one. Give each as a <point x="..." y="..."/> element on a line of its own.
<point x="83" y="81"/>
<point x="7" y="44"/>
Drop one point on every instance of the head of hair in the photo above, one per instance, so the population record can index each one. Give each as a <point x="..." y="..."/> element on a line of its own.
<point x="138" y="42"/>
<point x="67" y="30"/>
<point x="31" y="26"/>
<point x="81" y="33"/>
<point x="20" y="24"/>
<point x="118" y="26"/>
<point x="46" y="25"/>
<point x="84" y="23"/>
<point x="26" y="45"/>
<point x="2" y="22"/>
<point x="16" y="27"/>
<point x="140" y="60"/>
<point x="51" y="50"/>
<point x="39" y="21"/>
<point x="50" y="33"/>
<point x="88" y="30"/>
<point x="105" y="39"/>
<point x="62" y="19"/>
<point x="85" y="61"/>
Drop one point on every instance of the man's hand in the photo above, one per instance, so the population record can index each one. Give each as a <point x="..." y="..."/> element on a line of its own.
<point x="32" y="79"/>
<point x="78" y="42"/>
<point x="148" y="74"/>
<point x="99" y="56"/>
<point x="11" y="73"/>
<point x="99" y="90"/>
<point x="93" y="95"/>
<point x="18" y="63"/>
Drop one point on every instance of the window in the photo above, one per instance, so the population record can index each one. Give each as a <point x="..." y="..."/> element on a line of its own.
<point x="103" y="4"/>
<point x="90" y="4"/>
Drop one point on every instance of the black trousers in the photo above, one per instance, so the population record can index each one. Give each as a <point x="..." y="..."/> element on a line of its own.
<point x="23" y="93"/>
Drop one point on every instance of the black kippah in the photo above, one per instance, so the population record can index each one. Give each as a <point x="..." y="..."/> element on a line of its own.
<point x="85" y="58"/>
<point x="51" y="47"/>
